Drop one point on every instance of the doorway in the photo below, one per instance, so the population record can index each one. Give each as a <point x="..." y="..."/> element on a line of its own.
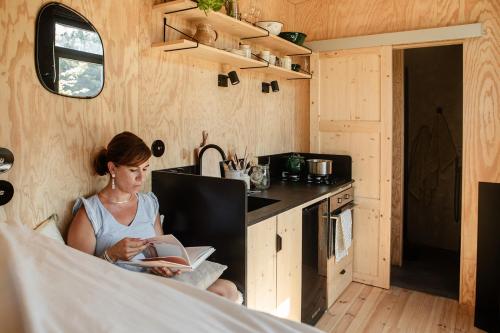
<point x="432" y="171"/>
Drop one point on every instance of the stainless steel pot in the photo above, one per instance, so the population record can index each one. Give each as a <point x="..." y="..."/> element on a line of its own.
<point x="319" y="167"/>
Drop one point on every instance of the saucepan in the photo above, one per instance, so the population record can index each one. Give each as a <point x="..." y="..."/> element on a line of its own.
<point x="319" y="167"/>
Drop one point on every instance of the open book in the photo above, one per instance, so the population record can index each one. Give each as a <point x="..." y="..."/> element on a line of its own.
<point x="167" y="251"/>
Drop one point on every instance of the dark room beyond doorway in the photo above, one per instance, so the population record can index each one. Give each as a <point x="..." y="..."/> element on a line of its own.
<point x="432" y="171"/>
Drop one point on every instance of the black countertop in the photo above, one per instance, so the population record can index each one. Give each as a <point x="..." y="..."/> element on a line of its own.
<point x="290" y="194"/>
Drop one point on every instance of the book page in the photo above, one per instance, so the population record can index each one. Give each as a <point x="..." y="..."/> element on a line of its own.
<point x="167" y="246"/>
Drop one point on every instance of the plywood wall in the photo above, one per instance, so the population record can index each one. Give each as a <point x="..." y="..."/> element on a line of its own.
<point x="154" y="94"/>
<point x="481" y="138"/>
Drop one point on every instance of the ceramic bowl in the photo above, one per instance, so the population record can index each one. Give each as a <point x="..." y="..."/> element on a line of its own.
<point x="274" y="27"/>
<point x="294" y="37"/>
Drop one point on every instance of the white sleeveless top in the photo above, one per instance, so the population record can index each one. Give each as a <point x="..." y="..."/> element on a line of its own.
<point x="108" y="231"/>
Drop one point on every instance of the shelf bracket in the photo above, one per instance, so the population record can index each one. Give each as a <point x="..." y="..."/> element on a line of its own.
<point x="166" y="25"/>
<point x="302" y="78"/>
<point x="266" y="33"/>
<point x="256" y="56"/>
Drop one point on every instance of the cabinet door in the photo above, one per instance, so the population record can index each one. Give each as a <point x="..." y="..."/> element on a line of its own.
<point x="351" y="113"/>
<point x="289" y="265"/>
<point x="261" y="266"/>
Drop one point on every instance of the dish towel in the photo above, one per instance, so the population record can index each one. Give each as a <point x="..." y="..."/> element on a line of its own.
<point x="343" y="234"/>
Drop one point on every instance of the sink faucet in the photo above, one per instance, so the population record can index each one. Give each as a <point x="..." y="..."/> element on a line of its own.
<point x="202" y="151"/>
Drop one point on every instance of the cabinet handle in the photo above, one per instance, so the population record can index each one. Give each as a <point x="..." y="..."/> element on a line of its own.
<point x="342" y="272"/>
<point x="339" y="200"/>
<point x="346" y="196"/>
<point x="279" y="243"/>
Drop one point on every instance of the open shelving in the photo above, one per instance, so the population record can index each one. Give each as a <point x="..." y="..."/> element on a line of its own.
<point x="188" y="11"/>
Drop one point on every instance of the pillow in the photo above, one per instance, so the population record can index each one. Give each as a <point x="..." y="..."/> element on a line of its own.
<point x="49" y="228"/>
<point x="203" y="276"/>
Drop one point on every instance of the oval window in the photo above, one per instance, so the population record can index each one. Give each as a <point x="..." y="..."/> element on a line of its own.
<point x="69" y="55"/>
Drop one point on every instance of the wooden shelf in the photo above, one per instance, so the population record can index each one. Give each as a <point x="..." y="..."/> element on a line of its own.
<point x="212" y="54"/>
<point x="187" y="10"/>
<point x="206" y="52"/>
<point x="279" y="44"/>
<point x="282" y="72"/>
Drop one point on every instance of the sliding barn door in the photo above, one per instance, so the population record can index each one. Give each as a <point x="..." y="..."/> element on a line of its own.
<point x="351" y="114"/>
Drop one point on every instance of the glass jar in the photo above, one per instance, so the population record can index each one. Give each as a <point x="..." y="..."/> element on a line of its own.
<point x="232" y="8"/>
<point x="260" y="177"/>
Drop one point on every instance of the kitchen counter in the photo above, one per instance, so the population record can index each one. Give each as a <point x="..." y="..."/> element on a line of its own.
<point x="290" y="194"/>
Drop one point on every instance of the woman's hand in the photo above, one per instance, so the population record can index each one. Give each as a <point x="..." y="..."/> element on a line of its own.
<point x="164" y="271"/>
<point x="127" y="248"/>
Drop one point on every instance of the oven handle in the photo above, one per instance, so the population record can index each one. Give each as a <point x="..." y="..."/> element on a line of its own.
<point x="331" y="223"/>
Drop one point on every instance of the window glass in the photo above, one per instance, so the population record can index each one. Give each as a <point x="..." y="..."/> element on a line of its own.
<point x="79" y="78"/>
<point x="77" y="39"/>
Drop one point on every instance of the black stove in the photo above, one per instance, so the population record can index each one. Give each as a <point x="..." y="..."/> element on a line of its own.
<point x="310" y="179"/>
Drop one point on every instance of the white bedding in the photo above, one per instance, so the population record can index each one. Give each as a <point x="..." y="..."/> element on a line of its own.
<point x="49" y="287"/>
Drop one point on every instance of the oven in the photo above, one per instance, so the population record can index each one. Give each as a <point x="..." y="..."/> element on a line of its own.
<point x="318" y="246"/>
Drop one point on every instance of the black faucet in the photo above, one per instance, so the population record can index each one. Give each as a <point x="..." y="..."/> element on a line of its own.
<point x="202" y="151"/>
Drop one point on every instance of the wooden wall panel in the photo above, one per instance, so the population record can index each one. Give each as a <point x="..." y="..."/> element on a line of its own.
<point x="54" y="137"/>
<point x="343" y="18"/>
<point x="154" y="94"/>
<point x="397" y="158"/>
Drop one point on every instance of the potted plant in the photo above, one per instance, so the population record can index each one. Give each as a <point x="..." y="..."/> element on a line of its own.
<point x="208" y="5"/>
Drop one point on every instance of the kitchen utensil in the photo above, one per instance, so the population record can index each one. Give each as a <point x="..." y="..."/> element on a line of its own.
<point x="295" y="164"/>
<point x="265" y="55"/>
<point x="294" y="37"/>
<point x="205" y="34"/>
<point x="286" y="62"/>
<point x="274" y="27"/>
<point x="319" y="167"/>
<point x="272" y="59"/>
<point x="247" y="51"/>
<point x="260" y="176"/>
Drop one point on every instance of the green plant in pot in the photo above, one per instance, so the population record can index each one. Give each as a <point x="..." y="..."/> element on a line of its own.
<point x="208" y="5"/>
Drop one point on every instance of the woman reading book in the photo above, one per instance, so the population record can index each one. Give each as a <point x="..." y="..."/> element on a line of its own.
<point x="116" y="222"/>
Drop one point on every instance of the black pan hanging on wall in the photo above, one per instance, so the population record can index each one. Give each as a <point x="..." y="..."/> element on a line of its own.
<point x="6" y="160"/>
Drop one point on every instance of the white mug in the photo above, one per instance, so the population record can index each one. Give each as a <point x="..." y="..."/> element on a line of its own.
<point x="272" y="59"/>
<point x="265" y="55"/>
<point x="286" y="62"/>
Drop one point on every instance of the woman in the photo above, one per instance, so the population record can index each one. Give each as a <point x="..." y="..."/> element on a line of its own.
<point x="115" y="223"/>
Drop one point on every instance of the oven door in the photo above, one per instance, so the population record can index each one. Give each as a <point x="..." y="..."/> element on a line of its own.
<point x="313" y="268"/>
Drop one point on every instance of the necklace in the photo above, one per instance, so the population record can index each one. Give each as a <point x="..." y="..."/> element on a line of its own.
<point x="116" y="202"/>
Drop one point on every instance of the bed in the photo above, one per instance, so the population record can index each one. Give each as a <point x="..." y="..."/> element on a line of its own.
<point x="48" y="287"/>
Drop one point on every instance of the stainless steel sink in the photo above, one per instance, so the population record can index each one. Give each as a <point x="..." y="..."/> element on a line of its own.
<point x="254" y="203"/>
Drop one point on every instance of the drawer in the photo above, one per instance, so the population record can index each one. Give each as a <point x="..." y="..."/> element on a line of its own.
<point x="342" y="198"/>
<point x="339" y="277"/>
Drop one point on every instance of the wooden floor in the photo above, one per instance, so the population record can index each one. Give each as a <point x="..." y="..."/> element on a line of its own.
<point x="364" y="308"/>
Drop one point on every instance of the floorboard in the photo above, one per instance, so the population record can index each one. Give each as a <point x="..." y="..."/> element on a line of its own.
<point x="364" y="308"/>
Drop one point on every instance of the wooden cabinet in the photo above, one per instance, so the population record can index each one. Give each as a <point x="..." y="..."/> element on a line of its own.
<point x="274" y="265"/>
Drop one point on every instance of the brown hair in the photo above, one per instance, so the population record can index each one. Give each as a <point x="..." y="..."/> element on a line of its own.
<point x="124" y="149"/>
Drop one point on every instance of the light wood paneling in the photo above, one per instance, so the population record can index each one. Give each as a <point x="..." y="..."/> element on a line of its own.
<point x="336" y="19"/>
<point x="289" y="265"/>
<point x="261" y="266"/>
<point x="354" y="117"/>
<point x="155" y="94"/>
<point x="363" y="308"/>
<point x="397" y="159"/>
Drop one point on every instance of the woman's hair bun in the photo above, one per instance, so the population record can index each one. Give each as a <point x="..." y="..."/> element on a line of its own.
<point x="101" y="162"/>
